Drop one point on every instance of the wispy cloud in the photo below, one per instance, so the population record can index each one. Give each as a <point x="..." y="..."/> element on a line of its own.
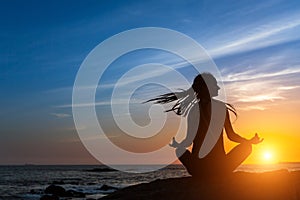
<point x="61" y="115"/>
<point x="254" y="74"/>
<point x="263" y="35"/>
<point x="258" y="91"/>
<point x="91" y="138"/>
<point x="289" y="87"/>
<point x="101" y="103"/>
<point x="258" y="83"/>
<point x="252" y="107"/>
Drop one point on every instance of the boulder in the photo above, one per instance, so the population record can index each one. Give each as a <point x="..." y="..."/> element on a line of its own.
<point x="55" y="190"/>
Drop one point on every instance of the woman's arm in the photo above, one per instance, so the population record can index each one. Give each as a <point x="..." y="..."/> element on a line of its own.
<point x="231" y="134"/>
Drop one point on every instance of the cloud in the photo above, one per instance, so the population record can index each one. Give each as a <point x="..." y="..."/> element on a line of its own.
<point x="254" y="80"/>
<point x="253" y="107"/>
<point x="101" y="103"/>
<point x="260" y="90"/>
<point x="258" y="36"/>
<point x="91" y="138"/>
<point x="289" y="87"/>
<point x="254" y="74"/>
<point x="61" y="115"/>
<point x="248" y="86"/>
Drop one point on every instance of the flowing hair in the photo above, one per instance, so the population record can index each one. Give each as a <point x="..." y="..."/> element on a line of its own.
<point x="185" y="99"/>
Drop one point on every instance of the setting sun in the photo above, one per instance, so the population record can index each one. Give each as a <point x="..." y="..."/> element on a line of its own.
<point x="268" y="157"/>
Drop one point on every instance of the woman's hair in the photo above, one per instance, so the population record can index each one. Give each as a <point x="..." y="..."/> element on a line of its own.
<point x="185" y="99"/>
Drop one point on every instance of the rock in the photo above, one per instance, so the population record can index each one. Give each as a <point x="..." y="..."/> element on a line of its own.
<point x="61" y="192"/>
<point x="55" y="190"/>
<point x="278" y="185"/>
<point x="36" y="191"/>
<point x="107" y="187"/>
<point x="73" y="193"/>
<point x="48" y="197"/>
<point x="106" y="169"/>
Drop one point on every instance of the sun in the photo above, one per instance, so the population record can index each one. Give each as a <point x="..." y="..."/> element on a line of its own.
<point x="268" y="157"/>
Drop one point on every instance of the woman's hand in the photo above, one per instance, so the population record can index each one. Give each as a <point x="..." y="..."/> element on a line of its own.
<point x="256" y="139"/>
<point x="174" y="143"/>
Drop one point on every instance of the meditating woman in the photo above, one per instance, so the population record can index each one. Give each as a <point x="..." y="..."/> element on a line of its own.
<point x="203" y="121"/>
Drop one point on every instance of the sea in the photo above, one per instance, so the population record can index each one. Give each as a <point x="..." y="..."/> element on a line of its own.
<point x="29" y="182"/>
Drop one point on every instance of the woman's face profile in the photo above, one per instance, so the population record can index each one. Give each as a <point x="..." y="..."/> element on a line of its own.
<point x="210" y="84"/>
<point x="214" y="89"/>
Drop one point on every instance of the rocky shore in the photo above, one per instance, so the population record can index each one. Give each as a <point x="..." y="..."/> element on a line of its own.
<point x="276" y="185"/>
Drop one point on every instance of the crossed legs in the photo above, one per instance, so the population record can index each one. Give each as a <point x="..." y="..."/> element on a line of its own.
<point x="216" y="165"/>
<point x="237" y="156"/>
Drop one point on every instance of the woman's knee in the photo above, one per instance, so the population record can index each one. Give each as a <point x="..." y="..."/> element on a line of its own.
<point x="247" y="147"/>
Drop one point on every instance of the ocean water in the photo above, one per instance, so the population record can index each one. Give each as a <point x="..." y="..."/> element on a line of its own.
<point x="30" y="181"/>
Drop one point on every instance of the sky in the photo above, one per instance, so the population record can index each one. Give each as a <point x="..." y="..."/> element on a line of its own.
<point x="254" y="44"/>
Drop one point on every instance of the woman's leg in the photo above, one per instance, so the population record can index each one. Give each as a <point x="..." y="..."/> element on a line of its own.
<point x="237" y="155"/>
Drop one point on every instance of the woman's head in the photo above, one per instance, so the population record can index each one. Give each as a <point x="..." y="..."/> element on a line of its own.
<point x="205" y="86"/>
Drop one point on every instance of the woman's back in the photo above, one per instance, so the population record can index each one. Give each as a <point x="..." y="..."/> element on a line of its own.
<point x="204" y="120"/>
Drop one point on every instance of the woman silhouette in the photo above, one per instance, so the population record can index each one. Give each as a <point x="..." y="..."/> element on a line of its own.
<point x="195" y="101"/>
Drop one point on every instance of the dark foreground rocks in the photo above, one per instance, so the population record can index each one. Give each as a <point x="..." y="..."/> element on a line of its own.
<point x="277" y="185"/>
<point x="53" y="192"/>
<point x="57" y="192"/>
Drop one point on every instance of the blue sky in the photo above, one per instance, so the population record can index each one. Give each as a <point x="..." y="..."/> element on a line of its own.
<point x="42" y="45"/>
